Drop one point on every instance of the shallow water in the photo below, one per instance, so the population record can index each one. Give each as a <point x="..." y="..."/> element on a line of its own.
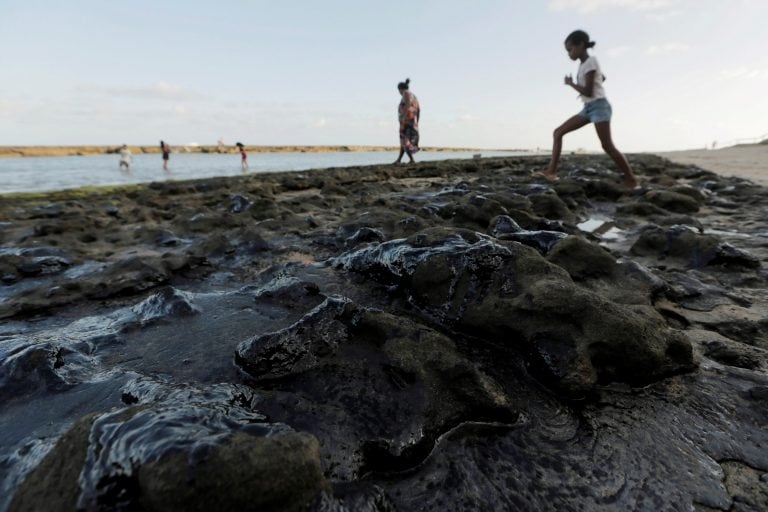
<point x="39" y="174"/>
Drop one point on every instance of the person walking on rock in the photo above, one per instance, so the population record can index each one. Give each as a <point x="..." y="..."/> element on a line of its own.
<point x="597" y="110"/>
<point x="408" y="113"/>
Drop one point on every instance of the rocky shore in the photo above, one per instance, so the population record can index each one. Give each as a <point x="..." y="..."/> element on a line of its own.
<point x="444" y="336"/>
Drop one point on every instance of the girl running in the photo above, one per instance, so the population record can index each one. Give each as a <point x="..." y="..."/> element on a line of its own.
<point x="597" y="110"/>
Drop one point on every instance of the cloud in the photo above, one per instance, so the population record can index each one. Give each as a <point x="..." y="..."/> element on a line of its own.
<point x="657" y="49"/>
<point x="743" y="72"/>
<point x="617" y="51"/>
<point x="320" y="123"/>
<point x="159" y="90"/>
<point x="593" y="5"/>
<point x="663" y="16"/>
<point x="467" y="118"/>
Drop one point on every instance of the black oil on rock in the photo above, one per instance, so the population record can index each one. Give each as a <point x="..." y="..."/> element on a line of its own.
<point x="442" y="336"/>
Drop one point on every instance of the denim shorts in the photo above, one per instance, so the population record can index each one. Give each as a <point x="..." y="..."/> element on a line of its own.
<point x="597" y="111"/>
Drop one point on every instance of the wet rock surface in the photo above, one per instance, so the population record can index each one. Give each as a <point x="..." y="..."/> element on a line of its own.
<point x="442" y="336"/>
<point x="181" y="449"/>
<point x="509" y="295"/>
<point x="377" y="389"/>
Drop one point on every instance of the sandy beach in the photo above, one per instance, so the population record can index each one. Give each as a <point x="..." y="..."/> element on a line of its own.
<point x="746" y="161"/>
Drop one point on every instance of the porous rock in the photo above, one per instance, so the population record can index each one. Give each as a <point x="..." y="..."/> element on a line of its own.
<point x="376" y="389"/>
<point x="691" y="248"/>
<point x="28" y="368"/>
<point x="276" y="473"/>
<point x="187" y="451"/>
<point x="510" y="295"/>
<point x="673" y="201"/>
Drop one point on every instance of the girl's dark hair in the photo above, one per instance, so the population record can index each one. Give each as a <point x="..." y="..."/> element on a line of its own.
<point x="578" y="37"/>
<point x="162" y="144"/>
<point x="404" y="85"/>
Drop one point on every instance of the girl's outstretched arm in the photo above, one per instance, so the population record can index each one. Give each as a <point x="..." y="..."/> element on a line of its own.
<point x="585" y="89"/>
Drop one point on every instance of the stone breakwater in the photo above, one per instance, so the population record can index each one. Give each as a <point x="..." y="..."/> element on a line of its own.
<point x="443" y="336"/>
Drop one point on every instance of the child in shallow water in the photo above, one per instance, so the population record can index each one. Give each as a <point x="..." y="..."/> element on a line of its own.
<point x="243" y="156"/>
<point x="125" y="158"/>
<point x="166" y="149"/>
<point x="597" y="110"/>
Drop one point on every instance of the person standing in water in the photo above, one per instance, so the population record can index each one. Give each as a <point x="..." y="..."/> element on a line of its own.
<point x="597" y="110"/>
<point x="408" y="113"/>
<point x="243" y="156"/>
<point x="166" y="149"/>
<point x="125" y="158"/>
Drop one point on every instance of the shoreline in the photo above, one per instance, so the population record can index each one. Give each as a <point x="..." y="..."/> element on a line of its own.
<point x="65" y="194"/>
<point x="704" y="159"/>
<point x="57" y="151"/>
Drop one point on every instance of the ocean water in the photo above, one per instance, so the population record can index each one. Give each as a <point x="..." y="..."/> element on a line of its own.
<point x="57" y="173"/>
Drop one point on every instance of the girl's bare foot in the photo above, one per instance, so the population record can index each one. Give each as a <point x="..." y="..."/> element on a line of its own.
<point x="631" y="182"/>
<point x="549" y="176"/>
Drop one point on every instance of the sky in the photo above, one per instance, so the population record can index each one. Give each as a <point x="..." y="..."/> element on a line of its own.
<point x="488" y="73"/>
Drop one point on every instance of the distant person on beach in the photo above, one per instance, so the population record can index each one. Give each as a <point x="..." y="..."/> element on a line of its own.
<point x="125" y="158"/>
<point x="597" y="110"/>
<point x="243" y="156"/>
<point x="166" y="149"/>
<point x="408" y="113"/>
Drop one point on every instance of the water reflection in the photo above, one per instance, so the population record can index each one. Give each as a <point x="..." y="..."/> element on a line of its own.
<point x="54" y="173"/>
